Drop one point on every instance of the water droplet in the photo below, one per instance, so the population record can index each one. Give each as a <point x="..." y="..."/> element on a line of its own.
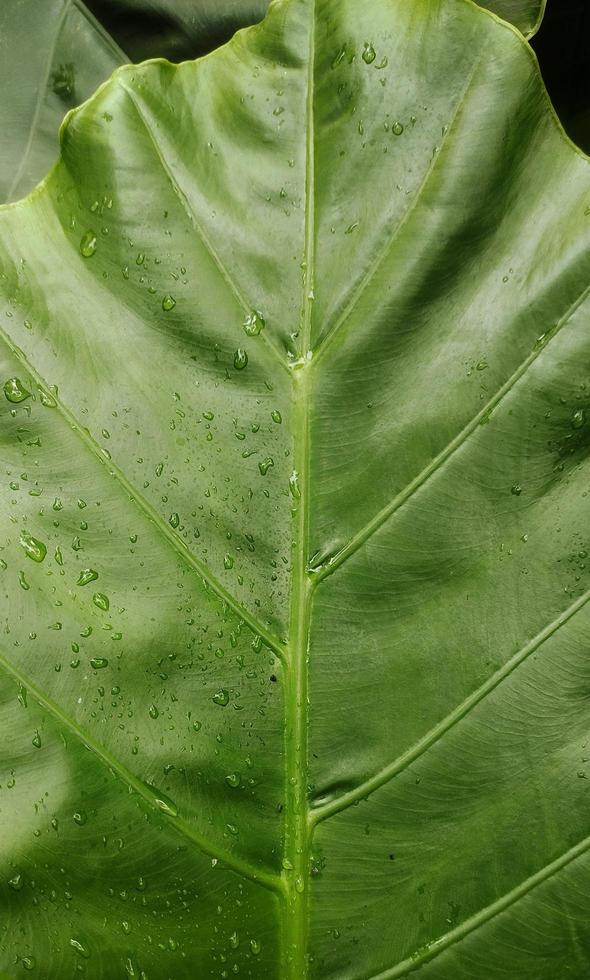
<point x="253" y="323"/>
<point x="164" y="803"/>
<point x="197" y="725"/>
<point x="516" y="489"/>
<point x="101" y="600"/>
<point x="233" y="780"/>
<point x="47" y="399"/>
<point x="222" y="697"/>
<point x="265" y="465"/>
<point x="299" y="884"/>
<point x="397" y="129"/>
<point x="29" y="962"/>
<point x="99" y="663"/>
<point x="15" y="391"/>
<point x="88" y="244"/>
<point x="33" y="548"/>
<point x="228" y="562"/>
<point x="23" y="582"/>
<point x="234" y="940"/>
<point x="368" y="53"/>
<point x="36" y="740"/>
<point x="255" y="947"/>
<point x="168" y="303"/>
<point x="86" y="576"/>
<point x="16" y="883"/>
<point x="276" y="417"/>
<point x="294" y="485"/>
<point x="80" y="948"/>
<point x="153" y="712"/>
<point x="240" y="359"/>
<point x="174" y="520"/>
<point x="578" y="418"/>
<point x="80" y="818"/>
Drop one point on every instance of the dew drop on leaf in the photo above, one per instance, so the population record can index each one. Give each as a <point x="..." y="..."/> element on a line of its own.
<point x="15" y="391"/>
<point x="240" y="359"/>
<point x="88" y="244"/>
<point x="80" y="948"/>
<point x="86" y="576"/>
<point x="33" y="548"/>
<point x="368" y="53"/>
<point x="253" y="323"/>
<point x="222" y="697"/>
<point x="294" y="485"/>
<point x="101" y="600"/>
<point x="168" y="303"/>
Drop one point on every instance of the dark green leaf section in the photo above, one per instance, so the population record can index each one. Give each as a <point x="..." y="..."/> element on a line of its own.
<point x="526" y="15"/>
<point x="295" y="436"/>
<point x="53" y="55"/>
<point x="174" y="29"/>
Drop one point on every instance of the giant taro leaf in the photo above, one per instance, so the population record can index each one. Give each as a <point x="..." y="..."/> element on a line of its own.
<point x="295" y="458"/>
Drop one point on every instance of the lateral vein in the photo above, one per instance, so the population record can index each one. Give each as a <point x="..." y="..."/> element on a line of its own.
<point x="450" y="449"/>
<point x="474" y="922"/>
<point x="453" y="718"/>
<point x="236" y="864"/>
<point x="150" y="512"/>
<point x="190" y="211"/>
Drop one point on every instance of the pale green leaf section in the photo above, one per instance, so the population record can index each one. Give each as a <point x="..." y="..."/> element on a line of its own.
<point x="294" y="525"/>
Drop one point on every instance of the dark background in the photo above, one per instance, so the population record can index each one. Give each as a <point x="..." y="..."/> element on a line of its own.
<point x="184" y="29"/>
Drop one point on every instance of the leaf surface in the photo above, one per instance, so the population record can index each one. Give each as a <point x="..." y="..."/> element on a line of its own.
<point x="295" y="652"/>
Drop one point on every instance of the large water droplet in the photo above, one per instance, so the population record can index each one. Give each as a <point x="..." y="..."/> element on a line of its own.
<point x="222" y="697"/>
<point x="33" y="548"/>
<point x="253" y="323"/>
<point x="101" y="600"/>
<point x="168" y="303"/>
<point x="86" y="576"/>
<point x="368" y="53"/>
<point x="88" y="244"/>
<point x="15" y="391"/>
<point x="240" y="359"/>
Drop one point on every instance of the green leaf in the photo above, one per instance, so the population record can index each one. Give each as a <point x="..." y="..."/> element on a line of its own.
<point x="53" y="55"/>
<point x="294" y="666"/>
<point x="526" y="15"/>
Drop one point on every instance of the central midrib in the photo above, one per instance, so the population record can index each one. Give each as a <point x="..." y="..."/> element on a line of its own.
<point x="298" y="827"/>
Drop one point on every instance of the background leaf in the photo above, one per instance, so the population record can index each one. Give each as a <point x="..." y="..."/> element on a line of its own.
<point x="526" y="15"/>
<point x="295" y="650"/>
<point x="175" y="29"/>
<point x="53" y="55"/>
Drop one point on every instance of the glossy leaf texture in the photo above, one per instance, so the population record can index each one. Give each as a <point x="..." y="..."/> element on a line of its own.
<point x="526" y="15"/>
<point x="53" y="55"/>
<point x="295" y="553"/>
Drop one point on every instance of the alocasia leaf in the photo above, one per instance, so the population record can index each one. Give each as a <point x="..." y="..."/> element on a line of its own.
<point x="295" y="552"/>
<point x="53" y="55"/>
<point x="524" y="14"/>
